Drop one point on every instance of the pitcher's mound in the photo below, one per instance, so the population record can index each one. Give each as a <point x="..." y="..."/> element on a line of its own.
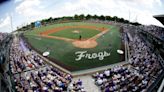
<point x="76" y="31"/>
<point x="85" y="44"/>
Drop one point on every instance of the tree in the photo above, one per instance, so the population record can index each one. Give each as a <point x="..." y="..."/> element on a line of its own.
<point x="115" y="18"/>
<point x="76" y="17"/>
<point x="135" y="23"/>
<point x="81" y="17"/>
<point x="108" y="18"/>
<point x="102" y="17"/>
<point x="69" y="18"/>
<point x="32" y="24"/>
<point x="95" y="17"/>
<point x="88" y="17"/>
<point x="126" y="21"/>
<point x="121" y="20"/>
<point x="49" y="20"/>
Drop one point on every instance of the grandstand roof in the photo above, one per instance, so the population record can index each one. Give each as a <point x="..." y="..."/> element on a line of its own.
<point x="160" y="18"/>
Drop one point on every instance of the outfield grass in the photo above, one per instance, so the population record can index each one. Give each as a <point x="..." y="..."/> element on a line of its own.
<point x="44" y="28"/>
<point x="65" y="52"/>
<point x="68" y="33"/>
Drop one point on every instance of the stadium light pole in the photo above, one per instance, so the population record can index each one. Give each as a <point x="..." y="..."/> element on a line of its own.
<point x="11" y="23"/>
<point x="105" y="18"/>
<point x="115" y="20"/>
<point x="136" y="18"/>
<point x="129" y="15"/>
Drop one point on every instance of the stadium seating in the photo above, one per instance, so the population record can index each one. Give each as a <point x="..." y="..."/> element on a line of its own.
<point x="31" y="74"/>
<point x="140" y="74"/>
<point x="76" y="86"/>
<point x="154" y="30"/>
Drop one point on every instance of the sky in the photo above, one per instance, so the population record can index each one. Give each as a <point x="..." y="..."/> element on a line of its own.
<point x="22" y="12"/>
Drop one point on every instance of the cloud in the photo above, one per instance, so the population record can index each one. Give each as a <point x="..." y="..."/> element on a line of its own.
<point x="28" y="7"/>
<point x="150" y="3"/>
<point x="32" y="10"/>
<point x="139" y="10"/>
<point x="145" y="3"/>
<point x="5" y="22"/>
<point x="121" y="8"/>
<point x="17" y="1"/>
<point x="98" y="7"/>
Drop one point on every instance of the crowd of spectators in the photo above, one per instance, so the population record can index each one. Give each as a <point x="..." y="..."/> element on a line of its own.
<point x="5" y="40"/>
<point x="154" y="30"/>
<point x="118" y="78"/>
<point x="21" y="59"/>
<point x="32" y="74"/>
<point x="46" y="79"/>
<point x="2" y="36"/>
<point x="143" y="69"/>
<point x="76" y="86"/>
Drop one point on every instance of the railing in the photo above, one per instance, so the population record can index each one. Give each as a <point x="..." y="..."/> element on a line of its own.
<point x="161" y="87"/>
<point x="156" y="82"/>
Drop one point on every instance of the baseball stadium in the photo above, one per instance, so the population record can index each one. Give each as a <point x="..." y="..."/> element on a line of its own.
<point x="81" y="46"/>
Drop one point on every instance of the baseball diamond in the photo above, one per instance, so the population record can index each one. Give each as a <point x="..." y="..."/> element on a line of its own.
<point x="67" y="43"/>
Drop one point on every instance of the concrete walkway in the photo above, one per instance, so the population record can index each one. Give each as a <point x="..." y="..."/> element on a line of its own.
<point x="88" y="83"/>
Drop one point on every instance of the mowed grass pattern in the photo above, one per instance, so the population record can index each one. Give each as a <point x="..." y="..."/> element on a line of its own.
<point x="70" y="33"/>
<point x="65" y="51"/>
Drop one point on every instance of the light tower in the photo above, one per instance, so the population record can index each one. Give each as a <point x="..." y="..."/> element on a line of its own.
<point x="11" y="23"/>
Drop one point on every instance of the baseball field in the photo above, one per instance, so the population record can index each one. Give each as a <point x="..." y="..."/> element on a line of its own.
<point x="78" y="45"/>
